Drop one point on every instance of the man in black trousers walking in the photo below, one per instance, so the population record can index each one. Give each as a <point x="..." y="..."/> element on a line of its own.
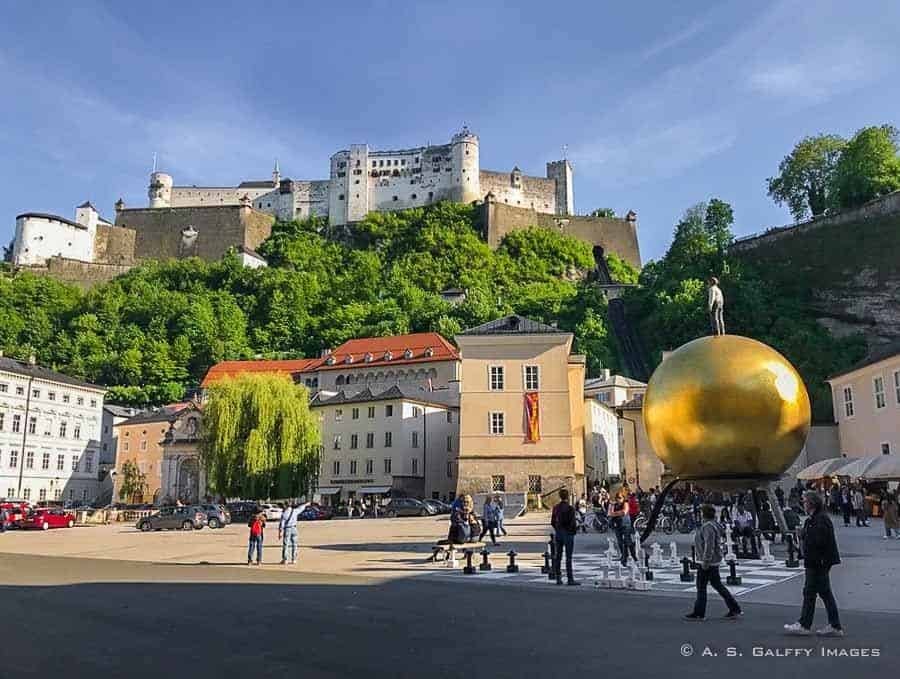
<point x="708" y="551"/>
<point x="820" y="553"/>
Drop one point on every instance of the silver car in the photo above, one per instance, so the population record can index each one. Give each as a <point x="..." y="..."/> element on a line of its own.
<point x="185" y="518"/>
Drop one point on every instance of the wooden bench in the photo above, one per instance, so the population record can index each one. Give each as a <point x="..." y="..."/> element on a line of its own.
<point x="445" y="551"/>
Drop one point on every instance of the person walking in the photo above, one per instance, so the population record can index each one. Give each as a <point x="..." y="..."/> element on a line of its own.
<point x="257" y="525"/>
<point x="562" y="519"/>
<point x="846" y="505"/>
<point x="891" y="520"/>
<point x="708" y="550"/>
<point x="820" y="553"/>
<point x="287" y="533"/>
<point x="621" y="522"/>
<point x="3" y="519"/>
<point x="716" y="307"/>
<point x="489" y="517"/>
<point x="859" y="507"/>
<point x="498" y="503"/>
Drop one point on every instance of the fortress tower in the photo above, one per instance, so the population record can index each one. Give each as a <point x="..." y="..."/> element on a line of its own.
<point x="160" y="190"/>
<point x="464" y="145"/>
<point x="561" y="171"/>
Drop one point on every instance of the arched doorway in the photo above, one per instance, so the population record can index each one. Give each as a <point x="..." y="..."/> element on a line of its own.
<point x="187" y="488"/>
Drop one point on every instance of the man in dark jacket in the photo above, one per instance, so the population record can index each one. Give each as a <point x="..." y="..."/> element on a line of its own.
<point x="563" y="521"/>
<point x="820" y="553"/>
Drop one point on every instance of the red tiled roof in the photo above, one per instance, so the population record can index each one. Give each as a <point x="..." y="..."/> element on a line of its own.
<point x="418" y="343"/>
<point x="232" y="368"/>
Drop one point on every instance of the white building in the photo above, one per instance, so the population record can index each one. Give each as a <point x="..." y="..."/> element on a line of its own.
<point x="42" y="236"/>
<point x="602" y="452"/>
<point x="400" y="440"/>
<point x="50" y="428"/>
<point x="613" y="390"/>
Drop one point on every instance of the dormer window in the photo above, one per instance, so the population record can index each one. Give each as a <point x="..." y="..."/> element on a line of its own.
<point x="388" y="356"/>
<point x="408" y="353"/>
<point x="368" y="357"/>
<point x="349" y="358"/>
<point x="429" y="352"/>
<point x="329" y="360"/>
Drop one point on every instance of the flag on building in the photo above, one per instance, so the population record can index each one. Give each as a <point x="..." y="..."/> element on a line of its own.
<point x="532" y="418"/>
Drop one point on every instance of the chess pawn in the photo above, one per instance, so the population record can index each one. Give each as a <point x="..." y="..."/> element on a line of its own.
<point x="673" y="554"/>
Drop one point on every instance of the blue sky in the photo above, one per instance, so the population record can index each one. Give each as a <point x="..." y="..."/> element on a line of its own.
<point x="660" y="105"/>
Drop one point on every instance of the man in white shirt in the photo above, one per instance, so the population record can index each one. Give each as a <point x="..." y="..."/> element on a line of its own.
<point x="743" y="526"/>
<point x="716" y="306"/>
<point x="287" y="533"/>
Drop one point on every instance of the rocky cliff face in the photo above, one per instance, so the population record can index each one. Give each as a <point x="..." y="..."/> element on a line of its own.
<point x="847" y="268"/>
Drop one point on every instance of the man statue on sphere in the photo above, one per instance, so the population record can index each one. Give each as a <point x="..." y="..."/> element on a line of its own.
<point x="716" y="306"/>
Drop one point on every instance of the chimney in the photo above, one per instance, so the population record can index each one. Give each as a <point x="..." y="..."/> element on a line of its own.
<point x="605" y="374"/>
<point x="326" y="352"/>
<point x="32" y="359"/>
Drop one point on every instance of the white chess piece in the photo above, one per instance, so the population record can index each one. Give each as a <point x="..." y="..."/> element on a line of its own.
<point x="729" y="555"/>
<point x="767" y="555"/>
<point x="673" y="554"/>
<point x="656" y="559"/>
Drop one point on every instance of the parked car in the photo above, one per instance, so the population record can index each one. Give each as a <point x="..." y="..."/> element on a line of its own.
<point x="216" y="515"/>
<point x="16" y="510"/>
<point x="437" y="506"/>
<point x="44" y="518"/>
<point x="406" y="506"/>
<point x="273" y="512"/>
<point x="242" y="511"/>
<point x="185" y="518"/>
<point x="314" y="512"/>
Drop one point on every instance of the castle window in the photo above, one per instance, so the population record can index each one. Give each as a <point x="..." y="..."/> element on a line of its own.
<point x="395" y="198"/>
<point x="396" y="162"/>
<point x="417" y="159"/>
<point x="341" y="196"/>
<point x="357" y="163"/>
<point x="413" y="196"/>
<point x="380" y="163"/>
<point x="430" y="195"/>
<point x="268" y="204"/>
<point x="403" y="161"/>
<point x="356" y="182"/>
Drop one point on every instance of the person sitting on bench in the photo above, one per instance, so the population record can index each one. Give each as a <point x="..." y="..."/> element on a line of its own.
<point x="461" y="521"/>
<point x="743" y="527"/>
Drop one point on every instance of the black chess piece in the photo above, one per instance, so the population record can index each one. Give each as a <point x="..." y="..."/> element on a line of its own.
<point x="686" y="575"/>
<point x="648" y="573"/>
<point x="512" y="567"/>
<point x="469" y="569"/>
<point x="553" y="575"/>
<point x="693" y="558"/>
<point x="733" y="578"/>
<point x="791" y="561"/>
<point x="546" y="567"/>
<point x="485" y="565"/>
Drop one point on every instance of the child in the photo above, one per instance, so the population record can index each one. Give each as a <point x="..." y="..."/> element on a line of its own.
<point x="257" y="523"/>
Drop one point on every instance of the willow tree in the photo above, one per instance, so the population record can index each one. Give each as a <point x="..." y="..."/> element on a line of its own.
<point x="260" y="439"/>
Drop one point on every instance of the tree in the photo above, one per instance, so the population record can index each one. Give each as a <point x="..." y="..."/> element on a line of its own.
<point x="134" y="481"/>
<point x="868" y="167"/>
<point x="717" y="221"/>
<point x="606" y="212"/>
<point x="8" y="251"/>
<point x="259" y="438"/>
<point x="805" y="176"/>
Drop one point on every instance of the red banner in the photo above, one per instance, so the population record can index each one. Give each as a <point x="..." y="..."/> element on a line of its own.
<point x="532" y="418"/>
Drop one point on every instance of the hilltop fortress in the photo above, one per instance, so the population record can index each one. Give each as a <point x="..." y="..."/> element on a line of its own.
<point x="207" y="221"/>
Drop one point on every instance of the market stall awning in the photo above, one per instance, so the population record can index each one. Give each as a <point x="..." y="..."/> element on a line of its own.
<point x="374" y="490"/>
<point x="822" y="468"/>
<point x="884" y="468"/>
<point x="328" y="490"/>
<point x="856" y="467"/>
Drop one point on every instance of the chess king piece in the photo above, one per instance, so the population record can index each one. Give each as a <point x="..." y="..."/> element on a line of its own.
<point x="767" y="554"/>
<point x="673" y="554"/>
<point x="656" y="558"/>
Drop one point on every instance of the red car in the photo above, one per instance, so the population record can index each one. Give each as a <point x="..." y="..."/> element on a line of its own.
<point x="46" y="518"/>
<point x="16" y="510"/>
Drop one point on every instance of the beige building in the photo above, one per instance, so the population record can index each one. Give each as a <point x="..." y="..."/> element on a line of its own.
<point x="521" y="409"/>
<point x="640" y="465"/>
<point x="613" y="390"/>
<point x="394" y="441"/>
<point x="867" y="404"/>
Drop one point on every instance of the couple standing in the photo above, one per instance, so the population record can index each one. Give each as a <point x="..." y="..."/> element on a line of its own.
<point x="287" y="534"/>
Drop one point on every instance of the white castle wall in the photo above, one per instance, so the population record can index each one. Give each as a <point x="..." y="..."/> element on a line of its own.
<point x="194" y="196"/>
<point x="40" y="237"/>
<point x="536" y="193"/>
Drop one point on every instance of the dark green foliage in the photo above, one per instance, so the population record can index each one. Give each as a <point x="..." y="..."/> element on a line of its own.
<point x="806" y="176"/>
<point x="868" y="167"/>
<point x="155" y="331"/>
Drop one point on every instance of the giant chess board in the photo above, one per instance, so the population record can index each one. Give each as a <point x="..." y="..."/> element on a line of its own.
<point x="592" y="569"/>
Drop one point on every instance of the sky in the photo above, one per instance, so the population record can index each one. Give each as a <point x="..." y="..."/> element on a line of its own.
<point x="657" y="105"/>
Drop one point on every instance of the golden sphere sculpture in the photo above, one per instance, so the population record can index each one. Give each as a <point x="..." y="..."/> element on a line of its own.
<point x="726" y="406"/>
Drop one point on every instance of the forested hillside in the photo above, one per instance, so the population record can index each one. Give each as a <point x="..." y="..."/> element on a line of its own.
<point x="154" y="332"/>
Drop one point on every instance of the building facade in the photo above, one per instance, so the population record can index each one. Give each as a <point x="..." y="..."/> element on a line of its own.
<point x="394" y="441"/>
<point x="602" y="452"/>
<point x="363" y="180"/>
<point x="40" y="237"/>
<point x="521" y="409"/>
<point x="141" y="441"/>
<point x="640" y="465"/>
<point x="183" y="477"/>
<point x="50" y="428"/>
<point x="613" y="390"/>
<point x="109" y="435"/>
<point x="866" y="403"/>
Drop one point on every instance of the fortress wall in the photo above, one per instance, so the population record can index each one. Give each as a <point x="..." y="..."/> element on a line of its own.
<point x="613" y="235"/>
<point x="536" y="193"/>
<point x="310" y="199"/>
<point x="192" y="196"/>
<point x="159" y="231"/>
<point x="114" y="245"/>
<point x="83" y="274"/>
